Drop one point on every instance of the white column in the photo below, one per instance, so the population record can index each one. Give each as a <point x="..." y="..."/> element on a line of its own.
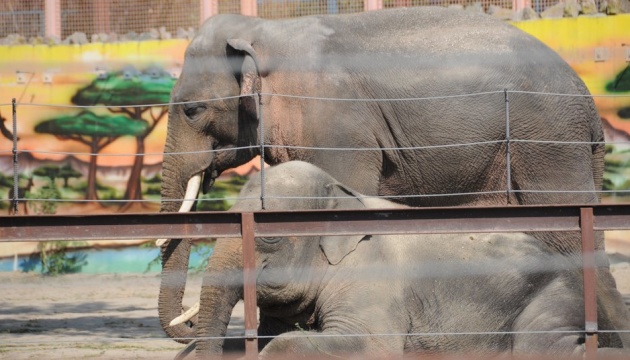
<point x="207" y="9"/>
<point x="249" y="7"/>
<point x="370" y="5"/>
<point x="52" y="18"/>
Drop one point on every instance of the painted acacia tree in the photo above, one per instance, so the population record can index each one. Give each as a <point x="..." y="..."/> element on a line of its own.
<point x="66" y="172"/>
<point x="93" y="130"/>
<point x="48" y="171"/>
<point x="132" y="93"/>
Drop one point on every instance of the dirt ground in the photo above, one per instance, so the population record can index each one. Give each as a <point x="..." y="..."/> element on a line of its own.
<point x="87" y="316"/>
<point x="111" y="316"/>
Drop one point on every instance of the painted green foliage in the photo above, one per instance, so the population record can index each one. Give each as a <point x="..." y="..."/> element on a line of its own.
<point x="617" y="161"/>
<point x="128" y="86"/>
<point x="67" y="172"/>
<point x="95" y="131"/>
<point x="142" y="89"/>
<point x="87" y="125"/>
<point x="620" y="84"/>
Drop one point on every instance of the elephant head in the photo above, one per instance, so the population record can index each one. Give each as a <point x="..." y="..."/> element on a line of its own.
<point x="289" y="186"/>
<point x="212" y="126"/>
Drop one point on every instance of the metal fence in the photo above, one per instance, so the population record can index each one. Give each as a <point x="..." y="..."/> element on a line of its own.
<point x="121" y="17"/>
<point x="62" y="18"/>
<point x="584" y="218"/>
<point x="17" y="196"/>
<point x="247" y="226"/>
<point x="22" y="17"/>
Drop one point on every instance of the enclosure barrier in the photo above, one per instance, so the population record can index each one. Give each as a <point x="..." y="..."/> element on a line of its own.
<point x="584" y="218"/>
<point x="509" y="141"/>
<point x="62" y="18"/>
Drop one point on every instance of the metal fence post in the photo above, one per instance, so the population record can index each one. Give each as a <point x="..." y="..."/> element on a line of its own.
<point x="262" y="153"/>
<point x="16" y="195"/>
<point x="249" y="285"/>
<point x="590" y="299"/>
<point x="508" y="180"/>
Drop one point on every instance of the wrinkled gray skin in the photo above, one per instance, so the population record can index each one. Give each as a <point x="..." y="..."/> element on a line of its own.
<point x="392" y="54"/>
<point x="403" y="284"/>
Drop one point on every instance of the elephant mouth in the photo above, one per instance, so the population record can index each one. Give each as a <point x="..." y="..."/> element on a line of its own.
<point x="209" y="176"/>
<point x="204" y="181"/>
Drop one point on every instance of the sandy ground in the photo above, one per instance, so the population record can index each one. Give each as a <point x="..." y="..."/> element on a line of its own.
<point x="87" y="316"/>
<point x="111" y="316"/>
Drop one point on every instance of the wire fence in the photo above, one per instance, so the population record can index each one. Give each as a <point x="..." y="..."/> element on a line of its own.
<point x="111" y="20"/>
<point x="91" y="228"/>
<point x="16" y="195"/>
<point x="397" y="221"/>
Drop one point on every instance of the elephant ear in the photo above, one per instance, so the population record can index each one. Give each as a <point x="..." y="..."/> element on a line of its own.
<point x="245" y="62"/>
<point x="337" y="247"/>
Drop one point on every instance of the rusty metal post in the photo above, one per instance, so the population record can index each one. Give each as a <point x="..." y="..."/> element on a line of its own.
<point x="249" y="284"/>
<point x="590" y="300"/>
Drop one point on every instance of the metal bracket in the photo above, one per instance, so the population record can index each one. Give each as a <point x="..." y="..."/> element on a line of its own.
<point x="251" y="334"/>
<point x="590" y="328"/>
<point x="601" y="54"/>
<point x="21" y="77"/>
<point x="47" y="78"/>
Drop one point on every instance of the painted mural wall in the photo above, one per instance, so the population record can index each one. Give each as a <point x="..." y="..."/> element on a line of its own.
<point x="598" y="49"/>
<point x="75" y="158"/>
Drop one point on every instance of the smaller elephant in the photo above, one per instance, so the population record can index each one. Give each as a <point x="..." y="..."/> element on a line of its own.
<point x="383" y="295"/>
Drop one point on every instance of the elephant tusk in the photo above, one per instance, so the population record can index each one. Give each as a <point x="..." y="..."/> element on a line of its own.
<point x="187" y="315"/>
<point x="192" y="189"/>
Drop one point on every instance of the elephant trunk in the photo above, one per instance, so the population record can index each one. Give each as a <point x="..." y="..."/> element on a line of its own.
<point x="173" y="283"/>
<point x="176" y="252"/>
<point x="222" y="288"/>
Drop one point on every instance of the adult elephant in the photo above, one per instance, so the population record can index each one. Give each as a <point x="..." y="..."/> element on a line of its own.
<point x="405" y="286"/>
<point x="345" y="82"/>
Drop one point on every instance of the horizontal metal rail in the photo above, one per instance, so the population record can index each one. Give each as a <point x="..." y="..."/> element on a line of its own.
<point x="584" y="218"/>
<point x="314" y="222"/>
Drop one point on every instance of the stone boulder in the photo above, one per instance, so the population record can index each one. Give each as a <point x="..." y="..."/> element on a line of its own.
<point x="589" y="7"/>
<point x="526" y="14"/>
<point x="500" y="13"/>
<point x="553" y="12"/>
<point x="476" y="7"/>
<point x="615" y="7"/>
<point x="572" y="9"/>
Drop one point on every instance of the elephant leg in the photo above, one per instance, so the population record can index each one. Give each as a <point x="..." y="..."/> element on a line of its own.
<point x="298" y="342"/>
<point x="613" y="313"/>
<point x="269" y="328"/>
<point x="329" y="345"/>
<point x="552" y="323"/>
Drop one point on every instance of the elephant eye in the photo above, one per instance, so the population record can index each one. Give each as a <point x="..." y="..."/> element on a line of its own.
<point x="270" y="240"/>
<point x="193" y="110"/>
